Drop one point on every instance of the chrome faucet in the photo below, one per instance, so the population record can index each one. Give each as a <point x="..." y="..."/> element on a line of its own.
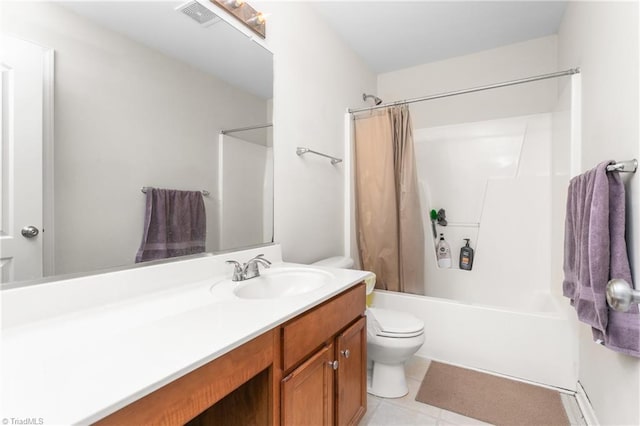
<point x="248" y="270"/>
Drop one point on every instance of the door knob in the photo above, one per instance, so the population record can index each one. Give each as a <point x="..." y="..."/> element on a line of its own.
<point x="29" y="231"/>
<point x="346" y="353"/>
<point x="333" y="364"/>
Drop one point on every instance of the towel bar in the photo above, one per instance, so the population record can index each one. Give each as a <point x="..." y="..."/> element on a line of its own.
<point x="624" y="166"/>
<point x="620" y="295"/>
<point x="334" y="160"/>
<point x="205" y="193"/>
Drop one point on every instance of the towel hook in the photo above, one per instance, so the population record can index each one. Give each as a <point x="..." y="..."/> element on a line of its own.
<point x="620" y="295"/>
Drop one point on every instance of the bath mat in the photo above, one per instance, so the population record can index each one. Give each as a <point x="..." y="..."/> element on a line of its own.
<point x="489" y="398"/>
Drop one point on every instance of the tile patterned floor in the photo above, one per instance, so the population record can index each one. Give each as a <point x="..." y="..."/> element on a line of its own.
<point x="406" y="411"/>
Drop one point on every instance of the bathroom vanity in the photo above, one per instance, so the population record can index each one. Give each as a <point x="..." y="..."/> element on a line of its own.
<point x="183" y="348"/>
<point x="309" y="370"/>
<point x="307" y="388"/>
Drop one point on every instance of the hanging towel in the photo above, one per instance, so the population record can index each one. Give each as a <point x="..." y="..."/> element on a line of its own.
<point x="174" y="224"/>
<point x="595" y="251"/>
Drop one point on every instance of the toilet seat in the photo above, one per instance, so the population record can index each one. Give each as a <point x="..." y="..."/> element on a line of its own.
<point x="336" y="262"/>
<point x="395" y="324"/>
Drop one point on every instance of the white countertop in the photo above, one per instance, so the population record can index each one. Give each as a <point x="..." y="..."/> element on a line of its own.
<point x="79" y="367"/>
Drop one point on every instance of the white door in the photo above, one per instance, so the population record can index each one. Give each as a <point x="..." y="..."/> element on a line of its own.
<point x="22" y="65"/>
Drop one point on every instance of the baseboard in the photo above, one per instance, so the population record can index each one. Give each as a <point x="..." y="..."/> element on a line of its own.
<point x="585" y="406"/>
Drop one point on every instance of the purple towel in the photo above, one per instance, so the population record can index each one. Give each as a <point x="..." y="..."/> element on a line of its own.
<point x="595" y="251"/>
<point x="174" y="224"/>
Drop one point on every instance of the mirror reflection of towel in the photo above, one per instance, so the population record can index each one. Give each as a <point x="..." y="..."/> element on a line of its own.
<point x="174" y="224"/>
<point x="595" y="251"/>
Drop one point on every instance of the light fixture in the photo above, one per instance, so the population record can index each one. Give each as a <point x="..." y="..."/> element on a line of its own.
<point x="246" y="14"/>
<point x="234" y="4"/>
<point x="258" y="19"/>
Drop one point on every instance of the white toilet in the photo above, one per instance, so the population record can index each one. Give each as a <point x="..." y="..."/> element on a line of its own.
<point x="392" y="338"/>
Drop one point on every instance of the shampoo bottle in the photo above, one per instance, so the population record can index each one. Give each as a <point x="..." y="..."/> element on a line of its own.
<point x="466" y="256"/>
<point x="443" y="253"/>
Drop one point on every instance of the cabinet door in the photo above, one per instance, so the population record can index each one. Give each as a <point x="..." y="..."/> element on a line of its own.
<point x="351" y="402"/>
<point x="307" y="393"/>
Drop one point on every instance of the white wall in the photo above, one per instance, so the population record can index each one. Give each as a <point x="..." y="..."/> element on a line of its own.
<point x="241" y="188"/>
<point x="505" y="63"/>
<point x="561" y="155"/>
<point x="602" y="39"/>
<point x="316" y="77"/>
<point x="267" y="198"/>
<point x="126" y="116"/>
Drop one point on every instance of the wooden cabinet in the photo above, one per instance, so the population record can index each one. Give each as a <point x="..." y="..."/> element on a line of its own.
<point x="309" y="371"/>
<point x="244" y="372"/>
<point x="351" y="382"/>
<point x="324" y="363"/>
<point x="307" y="393"/>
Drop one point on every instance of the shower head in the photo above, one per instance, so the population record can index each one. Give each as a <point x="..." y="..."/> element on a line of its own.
<point x="376" y="99"/>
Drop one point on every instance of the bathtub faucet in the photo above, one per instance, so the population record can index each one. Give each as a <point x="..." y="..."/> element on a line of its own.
<point x="249" y="269"/>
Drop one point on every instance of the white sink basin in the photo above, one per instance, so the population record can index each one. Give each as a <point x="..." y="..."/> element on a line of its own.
<point x="282" y="282"/>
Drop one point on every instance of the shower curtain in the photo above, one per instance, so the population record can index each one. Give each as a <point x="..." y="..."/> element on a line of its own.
<point x="388" y="221"/>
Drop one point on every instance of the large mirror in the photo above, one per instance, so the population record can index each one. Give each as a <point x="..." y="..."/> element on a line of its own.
<point x="137" y="95"/>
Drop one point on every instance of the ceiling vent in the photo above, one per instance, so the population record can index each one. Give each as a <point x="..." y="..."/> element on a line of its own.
<point x="199" y="13"/>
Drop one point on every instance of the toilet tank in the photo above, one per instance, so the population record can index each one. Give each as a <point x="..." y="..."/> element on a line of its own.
<point x="335" y="262"/>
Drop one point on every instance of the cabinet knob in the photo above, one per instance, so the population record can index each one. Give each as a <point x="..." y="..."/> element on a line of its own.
<point x="346" y="353"/>
<point x="333" y="364"/>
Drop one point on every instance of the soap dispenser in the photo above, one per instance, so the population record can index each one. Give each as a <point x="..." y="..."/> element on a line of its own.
<point x="443" y="253"/>
<point x="466" y="256"/>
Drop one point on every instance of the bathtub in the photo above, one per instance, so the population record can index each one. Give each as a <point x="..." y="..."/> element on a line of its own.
<point x="534" y="342"/>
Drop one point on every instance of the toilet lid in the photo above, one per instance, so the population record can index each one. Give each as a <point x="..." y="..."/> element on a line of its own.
<point x="396" y="324"/>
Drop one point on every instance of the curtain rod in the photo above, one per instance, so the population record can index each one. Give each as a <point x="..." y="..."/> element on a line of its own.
<point x="570" y="71"/>
<point x="240" y="129"/>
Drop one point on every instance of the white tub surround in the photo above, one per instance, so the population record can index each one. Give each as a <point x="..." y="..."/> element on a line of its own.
<point x="535" y="345"/>
<point x="74" y="351"/>
<point x="470" y="169"/>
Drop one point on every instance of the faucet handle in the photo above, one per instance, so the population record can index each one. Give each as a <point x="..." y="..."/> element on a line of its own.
<point x="238" y="272"/>
<point x="233" y="262"/>
<point x="261" y="258"/>
<point x="251" y="268"/>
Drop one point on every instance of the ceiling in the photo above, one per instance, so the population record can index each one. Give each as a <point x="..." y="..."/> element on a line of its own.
<point x="387" y="35"/>
<point x="391" y="35"/>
